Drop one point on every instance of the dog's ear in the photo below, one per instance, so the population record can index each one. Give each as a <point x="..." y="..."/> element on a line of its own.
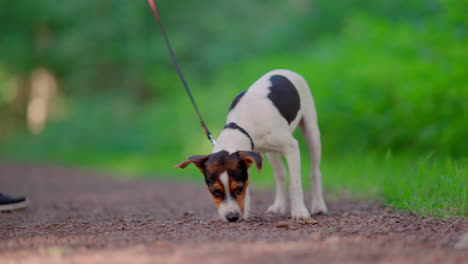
<point x="197" y="160"/>
<point x="249" y="157"/>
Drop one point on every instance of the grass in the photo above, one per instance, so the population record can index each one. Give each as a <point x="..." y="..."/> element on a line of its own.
<point x="427" y="186"/>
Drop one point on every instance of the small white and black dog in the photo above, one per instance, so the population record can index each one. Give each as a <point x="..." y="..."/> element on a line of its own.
<point x="263" y="119"/>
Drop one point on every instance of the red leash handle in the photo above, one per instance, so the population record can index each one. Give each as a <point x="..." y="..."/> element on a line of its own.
<point x="155" y="10"/>
<point x="179" y="70"/>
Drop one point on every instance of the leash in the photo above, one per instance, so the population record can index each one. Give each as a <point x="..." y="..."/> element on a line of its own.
<point x="179" y="71"/>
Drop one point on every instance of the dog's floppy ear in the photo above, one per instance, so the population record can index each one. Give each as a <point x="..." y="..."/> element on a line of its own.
<point x="249" y="157"/>
<point x="197" y="160"/>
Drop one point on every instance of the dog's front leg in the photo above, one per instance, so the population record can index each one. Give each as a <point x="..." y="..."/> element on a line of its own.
<point x="247" y="204"/>
<point x="296" y="194"/>
<point x="279" y="205"/>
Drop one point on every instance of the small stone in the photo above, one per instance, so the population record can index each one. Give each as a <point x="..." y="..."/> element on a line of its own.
<point x="160" y="244"/>
<point x="188" y="213"/>
<point x="310" y="221"/>
<point x="282" y="224"/>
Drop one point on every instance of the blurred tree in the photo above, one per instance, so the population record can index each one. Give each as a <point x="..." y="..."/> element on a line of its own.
<point x="115" y="47"/>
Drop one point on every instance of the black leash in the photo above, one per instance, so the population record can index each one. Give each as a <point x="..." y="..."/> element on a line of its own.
<point x="179" y="71"/>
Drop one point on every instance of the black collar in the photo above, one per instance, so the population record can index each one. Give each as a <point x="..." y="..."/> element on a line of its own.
<point x="233" y="125"/>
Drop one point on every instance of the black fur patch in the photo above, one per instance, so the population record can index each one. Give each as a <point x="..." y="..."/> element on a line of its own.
<point x="214" y="166"/>
<point x="236" y="100"/>
<point x="285" y="97"/>
<point x="239" y="174"/>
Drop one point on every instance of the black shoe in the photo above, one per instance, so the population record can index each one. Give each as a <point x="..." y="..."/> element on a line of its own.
<point x="9" y="203"/>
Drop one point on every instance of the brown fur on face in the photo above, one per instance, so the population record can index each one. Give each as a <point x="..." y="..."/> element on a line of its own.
<point x="217" y="187"/>
<point x="240" y="198"/>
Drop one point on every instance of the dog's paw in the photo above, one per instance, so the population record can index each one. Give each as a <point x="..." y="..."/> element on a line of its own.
<point x="299" y="212"/>
<point x="246" y="215"/>
<point x="318" y="207"/>
<point x="276" y="209"/>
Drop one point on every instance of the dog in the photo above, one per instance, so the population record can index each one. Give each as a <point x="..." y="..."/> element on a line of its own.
<point x="262" y="119"/>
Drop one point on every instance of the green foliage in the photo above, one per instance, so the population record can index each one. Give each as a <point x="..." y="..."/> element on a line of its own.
<point x="98" y="45"/>
<point x="409" y="93"/>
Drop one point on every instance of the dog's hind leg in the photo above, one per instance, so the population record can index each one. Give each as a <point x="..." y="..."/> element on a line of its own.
<point x="279" y="206"/>
<point x="311" y="133"/>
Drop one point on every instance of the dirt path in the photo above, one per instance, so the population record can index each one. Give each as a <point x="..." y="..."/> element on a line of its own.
<point x="81" y="217"/>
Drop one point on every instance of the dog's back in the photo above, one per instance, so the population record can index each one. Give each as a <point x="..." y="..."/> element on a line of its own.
<point x="277" y="101"/>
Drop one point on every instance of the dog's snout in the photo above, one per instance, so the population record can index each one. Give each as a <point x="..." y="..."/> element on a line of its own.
<point x="232" y="216"/>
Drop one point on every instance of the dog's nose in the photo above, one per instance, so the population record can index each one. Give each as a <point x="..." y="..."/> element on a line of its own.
<point x="232" y="216"/>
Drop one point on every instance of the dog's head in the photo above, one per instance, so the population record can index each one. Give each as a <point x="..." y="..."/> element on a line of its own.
<point x="227" y="178"/>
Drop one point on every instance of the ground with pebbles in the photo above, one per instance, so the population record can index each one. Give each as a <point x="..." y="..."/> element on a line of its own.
<point x="80" y="216"/>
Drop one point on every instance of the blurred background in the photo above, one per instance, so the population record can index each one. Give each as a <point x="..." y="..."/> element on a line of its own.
<point x="90" y="83"/>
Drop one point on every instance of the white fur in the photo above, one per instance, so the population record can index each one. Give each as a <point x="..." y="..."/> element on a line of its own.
<point x="279" y="206"/>
<point x="274" y="137"/>
<point x="229" y="204"/>
<point x="247" y="204"/>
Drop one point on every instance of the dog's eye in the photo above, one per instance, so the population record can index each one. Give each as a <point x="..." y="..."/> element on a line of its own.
<point x="238" y="190"/>
<point x="217" y="193"/>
